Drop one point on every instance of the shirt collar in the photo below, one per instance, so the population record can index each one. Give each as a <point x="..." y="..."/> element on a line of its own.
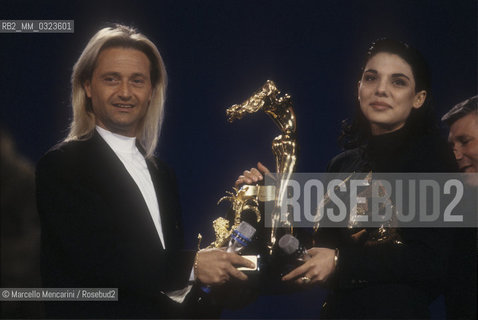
<point x="118" y="142"/>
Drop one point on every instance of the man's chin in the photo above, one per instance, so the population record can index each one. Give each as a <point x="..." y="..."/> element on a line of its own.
<point x="122" y="128"/>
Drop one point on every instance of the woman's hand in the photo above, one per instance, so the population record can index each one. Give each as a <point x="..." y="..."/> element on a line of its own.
<point x="317" y="269"/>
<point x="252" y="176"/>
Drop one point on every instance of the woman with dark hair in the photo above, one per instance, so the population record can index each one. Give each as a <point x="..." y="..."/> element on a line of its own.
<point x="393" y="131"/>
<point x="420" y="117"/>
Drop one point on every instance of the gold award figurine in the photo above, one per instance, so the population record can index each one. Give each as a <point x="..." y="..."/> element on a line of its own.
<point x="284" y="147"/>
<point x="387" y="232"/>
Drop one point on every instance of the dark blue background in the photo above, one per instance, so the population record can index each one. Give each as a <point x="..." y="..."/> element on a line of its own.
<point x="217" y="53"/>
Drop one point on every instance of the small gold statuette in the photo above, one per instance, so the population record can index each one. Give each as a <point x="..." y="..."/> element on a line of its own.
<point x="386" y="232"/>
<point x="284" y="148"/>
<point x="222" y="232"/>
<point x="241" y="200"/>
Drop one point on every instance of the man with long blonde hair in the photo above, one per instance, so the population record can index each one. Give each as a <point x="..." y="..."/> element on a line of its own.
<point x="109" y="208"/>
<point x="84" y="120"/>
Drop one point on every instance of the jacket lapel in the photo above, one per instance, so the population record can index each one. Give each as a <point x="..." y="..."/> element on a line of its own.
<point x="159" y="178"/>
<point x="116" y="183"/>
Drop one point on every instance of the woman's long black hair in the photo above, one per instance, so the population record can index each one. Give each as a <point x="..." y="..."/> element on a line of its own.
<point x="420" y="121"/>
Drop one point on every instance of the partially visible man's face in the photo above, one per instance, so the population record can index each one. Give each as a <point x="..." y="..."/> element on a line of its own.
<point x="463" y="138"/>
<point x="120" y="90"/>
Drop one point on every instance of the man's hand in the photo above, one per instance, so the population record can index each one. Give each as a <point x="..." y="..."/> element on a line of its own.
<point x="315" y="270"/>
<point x="252" y="176"/>
<point x="215" y="266"/>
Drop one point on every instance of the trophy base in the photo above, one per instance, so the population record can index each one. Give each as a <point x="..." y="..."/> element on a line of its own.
<point x="256" y="259"/>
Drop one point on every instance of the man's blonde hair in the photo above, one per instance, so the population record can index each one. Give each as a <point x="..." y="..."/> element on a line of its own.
<point x="84" y="121"/>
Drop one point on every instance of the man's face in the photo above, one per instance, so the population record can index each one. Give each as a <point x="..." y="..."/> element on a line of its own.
<point x="120" y="90"/>
<point x="463" y="138"/>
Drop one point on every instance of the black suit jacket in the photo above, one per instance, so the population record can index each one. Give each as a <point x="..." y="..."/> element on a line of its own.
<point x="97" y="232"/>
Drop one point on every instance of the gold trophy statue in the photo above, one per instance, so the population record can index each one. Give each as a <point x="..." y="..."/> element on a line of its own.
<point x="284" y="147"/>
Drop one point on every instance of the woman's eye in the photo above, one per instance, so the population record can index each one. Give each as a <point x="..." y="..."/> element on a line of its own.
<point x="369" y="78"/>
<point x="399" y="82"/>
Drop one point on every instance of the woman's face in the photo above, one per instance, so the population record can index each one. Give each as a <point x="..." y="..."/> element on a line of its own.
<point x="387" y="94"/>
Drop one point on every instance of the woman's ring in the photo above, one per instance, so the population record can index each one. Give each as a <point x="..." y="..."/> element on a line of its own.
<point x="305" y="279"/>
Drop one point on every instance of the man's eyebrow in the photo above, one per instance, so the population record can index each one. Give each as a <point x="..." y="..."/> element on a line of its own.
<point x="110" y="73"/>
<point x="117" y="74"/>
<point x="139" y="74"/>
<point x="460" y="137"/>
<point x="465" y="136"/>
<point x="371" y="71"/>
